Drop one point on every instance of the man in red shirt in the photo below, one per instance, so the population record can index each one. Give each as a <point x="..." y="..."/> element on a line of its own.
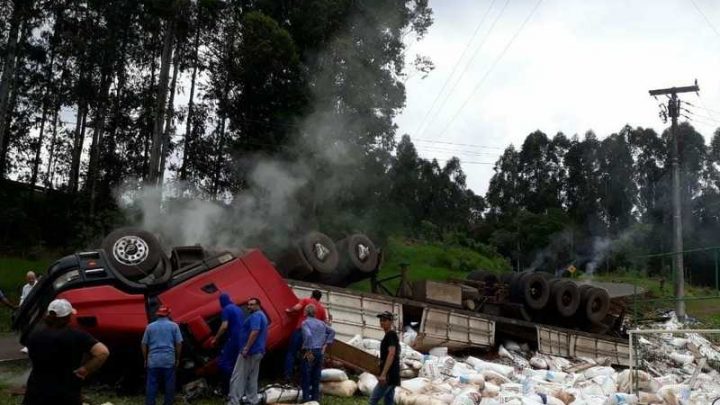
<point x="296" y="339"/>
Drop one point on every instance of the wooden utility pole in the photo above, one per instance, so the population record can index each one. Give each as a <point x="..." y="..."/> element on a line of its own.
<point x="673" y="110"/>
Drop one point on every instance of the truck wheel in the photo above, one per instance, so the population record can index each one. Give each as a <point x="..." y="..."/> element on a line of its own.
<point x="358" y="252"/>
<point x="320" y="252"/>
<point x="595" y="304"/>
<point x="292" y="264"/>
<point x="534" y="290"/>
<point x="565" y="296"/>
<point x="133" y="252"/>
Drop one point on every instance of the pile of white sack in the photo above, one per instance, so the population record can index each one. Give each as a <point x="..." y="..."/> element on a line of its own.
<point x="674" y="370"/>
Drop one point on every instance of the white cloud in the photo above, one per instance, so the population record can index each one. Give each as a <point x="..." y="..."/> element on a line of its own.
<point x="575" y="66"/>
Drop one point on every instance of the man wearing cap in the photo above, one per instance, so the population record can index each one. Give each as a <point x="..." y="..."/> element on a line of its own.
<point x="253" y="336"/>
<point x="161" y="347"/>
<point x="389" y="377"/>
<point x="57" y="353"/>
<point x="297" y="337"/>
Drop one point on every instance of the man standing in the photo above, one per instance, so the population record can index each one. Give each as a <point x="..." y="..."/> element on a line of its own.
<point x="296" y="339"/>
<point x="56" y="353"/>
<point x="316" y="336"/>
<point x="232" y="318"/>
<point x="389" y="377"/>
<point x="161" y="347"/>
<point x="31" y="281"/>
<point x="244" y="380"/>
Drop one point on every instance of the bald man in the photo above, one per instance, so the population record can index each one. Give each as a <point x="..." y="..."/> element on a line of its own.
<point x="31" y="281"/>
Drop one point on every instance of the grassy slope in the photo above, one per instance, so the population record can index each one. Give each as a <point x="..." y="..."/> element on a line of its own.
<point x="428" y="261"/>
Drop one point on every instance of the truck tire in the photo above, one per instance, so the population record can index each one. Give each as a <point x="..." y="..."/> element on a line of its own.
<point x="595" y="303"/>
<point x="358" y="252"/>
<point x="133" y="252"/>
<point x="292" y="264"/>
<point x="534" y="290"/>
<point x="320" y="252"/>
<point x="565" y="297"/>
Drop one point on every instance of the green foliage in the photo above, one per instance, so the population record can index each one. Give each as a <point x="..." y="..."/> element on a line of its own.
<point x="432" y="261"/>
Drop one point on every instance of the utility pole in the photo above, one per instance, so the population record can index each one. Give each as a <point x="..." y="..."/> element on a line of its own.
<point x="673" y="110"/>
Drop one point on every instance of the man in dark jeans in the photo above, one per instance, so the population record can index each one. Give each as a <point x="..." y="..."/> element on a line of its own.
<point x="296" y="339"/>
<point x="389" y="377"/>
<point x="161" y="346"/>
<point x="316" y="336"/>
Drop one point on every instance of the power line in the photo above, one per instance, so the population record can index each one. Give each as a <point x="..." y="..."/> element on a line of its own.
<point x="705" y="17"/>
<point x="495" y="62"/>
<point x="459" y="151"/>
<point x="471" y="145"/>
<point x="431" y="117"/>
<point x="456" y="65"/>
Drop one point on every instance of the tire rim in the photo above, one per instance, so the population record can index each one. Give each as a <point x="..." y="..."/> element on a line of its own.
<point x="363" y="252"/>
<point x="130" y="250"/>
<point x="320" y="251"/>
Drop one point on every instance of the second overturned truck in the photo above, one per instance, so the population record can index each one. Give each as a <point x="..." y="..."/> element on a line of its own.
<point x="116" y="290"/>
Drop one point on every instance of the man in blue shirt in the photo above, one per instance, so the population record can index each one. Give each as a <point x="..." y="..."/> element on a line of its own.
<point x="244" y="380"/>
<point x="232" y="318"/>
<point x="316" y="336"/>
<point x="161" y="347"/>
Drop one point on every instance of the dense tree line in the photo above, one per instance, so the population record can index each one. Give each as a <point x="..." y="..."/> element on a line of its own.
<point x="606" y="203"/>
<point x="102" y="95"/>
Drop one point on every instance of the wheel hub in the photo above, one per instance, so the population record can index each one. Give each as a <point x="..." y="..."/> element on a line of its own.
<point x="320" y="251"/>
<point x="130" y="250"/>
<point x="363" y="252"/>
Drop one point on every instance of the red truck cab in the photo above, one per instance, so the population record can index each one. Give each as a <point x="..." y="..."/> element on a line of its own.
<point x="116" y="310"/>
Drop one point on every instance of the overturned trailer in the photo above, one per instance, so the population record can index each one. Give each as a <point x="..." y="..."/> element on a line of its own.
<point x="116" y="290"/>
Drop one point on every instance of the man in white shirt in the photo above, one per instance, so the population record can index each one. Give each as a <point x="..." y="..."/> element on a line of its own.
<point x="31" y="281"/>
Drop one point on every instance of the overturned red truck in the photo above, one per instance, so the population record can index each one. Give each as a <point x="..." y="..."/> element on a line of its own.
<point x="116" y="290"/>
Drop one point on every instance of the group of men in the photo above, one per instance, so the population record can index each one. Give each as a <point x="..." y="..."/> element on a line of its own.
<point x="62" y="357"/>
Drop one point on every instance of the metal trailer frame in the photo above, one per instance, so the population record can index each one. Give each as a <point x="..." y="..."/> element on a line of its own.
<point x="631" y="333"/>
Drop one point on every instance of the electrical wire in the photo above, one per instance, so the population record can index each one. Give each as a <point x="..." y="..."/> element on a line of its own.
<point x="429" y="117"/>
<point x="426" y="119"/>
<point x="487" y="73"/>
<point x="705" y="17"/>
<point x="470" y="145"/>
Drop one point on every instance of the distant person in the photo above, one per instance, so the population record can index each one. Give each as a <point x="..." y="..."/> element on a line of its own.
<point x="316" y="336"/>
<point x="253" y="337"/>
<point x="296" y="338"/>
<point x="161" y="347"/>
<point x="232" y="318"/>
<point x="31" y="280"/>
<point x="57" y="353"/>
<point x="6" y="301"/>
<point x="389" y="377"/>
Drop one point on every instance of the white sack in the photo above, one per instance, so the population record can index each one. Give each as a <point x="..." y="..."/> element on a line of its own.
<point x="367" y="383"/>
<point x="332" y="374"/>
<point x="345" y="388"/>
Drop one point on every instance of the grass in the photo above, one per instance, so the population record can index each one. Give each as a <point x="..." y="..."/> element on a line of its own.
<point x="11" y="371"/>
<point x="12" y="278"/>
<point x="431" y="261"/>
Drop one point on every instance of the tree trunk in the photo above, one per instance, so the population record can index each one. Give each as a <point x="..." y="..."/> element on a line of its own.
<point x="218" y="160"/>
<point x="188" y="119"/>
<point x="48" y="83"/>
<point x="161" y="100"/>
<point x="169" y="116"/>
<point x="97" y="140"/>
<point x="6" y="81"/>
<point x="148" y="134"/>
<point x="49" y="175"/>
<point x="78" y="141"/>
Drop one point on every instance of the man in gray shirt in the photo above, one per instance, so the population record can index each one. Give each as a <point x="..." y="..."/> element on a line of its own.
<point x="316" y="336"/>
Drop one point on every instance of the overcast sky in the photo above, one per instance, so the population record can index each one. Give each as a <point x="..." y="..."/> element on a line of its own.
<point x="575" y="66"/>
